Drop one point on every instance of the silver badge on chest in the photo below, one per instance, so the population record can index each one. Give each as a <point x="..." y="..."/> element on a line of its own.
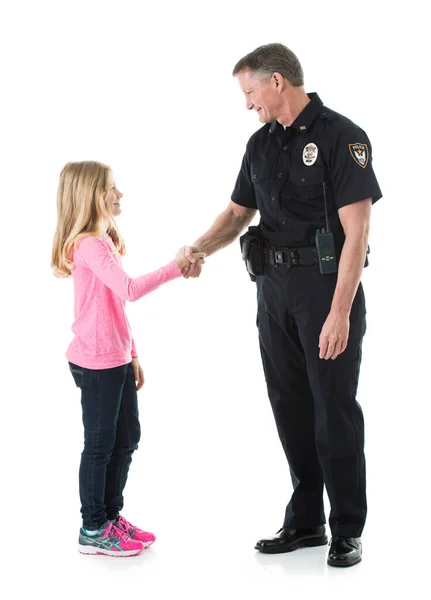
<point x="309" y="156"/>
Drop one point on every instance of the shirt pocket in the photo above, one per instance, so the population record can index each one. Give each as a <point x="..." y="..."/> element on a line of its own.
<point x="307" y="183"/>
<point x="261" y="170"/>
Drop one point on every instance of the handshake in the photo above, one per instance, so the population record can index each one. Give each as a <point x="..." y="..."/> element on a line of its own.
<point x="190" y="261"/>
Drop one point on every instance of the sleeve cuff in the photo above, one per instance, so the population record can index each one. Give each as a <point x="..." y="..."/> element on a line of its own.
<point x="173" y="270"/>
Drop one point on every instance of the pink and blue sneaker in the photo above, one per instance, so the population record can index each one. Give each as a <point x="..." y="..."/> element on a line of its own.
<point x="108" y="540"/>
<point x="136" y="534"/>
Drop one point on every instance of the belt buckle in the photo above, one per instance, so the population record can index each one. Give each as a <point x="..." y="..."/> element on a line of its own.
<point x="280" y="257"/>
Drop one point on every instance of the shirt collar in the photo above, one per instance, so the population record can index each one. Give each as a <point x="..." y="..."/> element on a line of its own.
<point x="305" y="118"/>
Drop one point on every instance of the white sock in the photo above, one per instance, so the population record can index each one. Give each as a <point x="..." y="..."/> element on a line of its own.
<point x="94" y="531"/>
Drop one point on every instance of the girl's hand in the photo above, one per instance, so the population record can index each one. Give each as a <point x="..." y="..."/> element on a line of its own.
<point x="181" y="259"/>
<point x="139" y="373"/>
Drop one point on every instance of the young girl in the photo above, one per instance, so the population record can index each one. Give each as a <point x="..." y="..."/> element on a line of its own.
<point x="102" y="356"/>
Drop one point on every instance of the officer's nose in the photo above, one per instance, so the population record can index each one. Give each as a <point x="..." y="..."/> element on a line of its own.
<point x="249" y="105"/>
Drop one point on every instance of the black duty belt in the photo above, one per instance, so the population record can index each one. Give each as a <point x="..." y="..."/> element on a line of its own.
<point x="290" y="257"/>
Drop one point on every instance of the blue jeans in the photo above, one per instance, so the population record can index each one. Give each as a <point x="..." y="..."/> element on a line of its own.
<point x="111" y="434"/>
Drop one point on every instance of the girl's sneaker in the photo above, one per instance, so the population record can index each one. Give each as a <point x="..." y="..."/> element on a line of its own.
<point x="135" y="533"/>
<point x="109" y="540"/>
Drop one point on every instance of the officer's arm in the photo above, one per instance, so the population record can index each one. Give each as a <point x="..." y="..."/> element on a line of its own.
<point x="228" y="225"/>
<point x="355" y="219"/>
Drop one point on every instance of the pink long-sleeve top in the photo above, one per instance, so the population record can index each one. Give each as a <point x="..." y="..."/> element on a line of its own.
<point x="103" y="338"/>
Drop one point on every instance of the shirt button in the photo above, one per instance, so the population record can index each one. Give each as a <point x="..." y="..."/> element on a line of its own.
<point x="302" y="179"/>
<point x="284" y="223"/>
<point x="273" y="198"/>
<point x="254" y="176"/>
<point x="280" y="174"/>
<point x="285" y="147"/>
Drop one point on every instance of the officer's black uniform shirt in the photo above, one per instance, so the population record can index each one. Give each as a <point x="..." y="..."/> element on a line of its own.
<point x="283" y="171"/>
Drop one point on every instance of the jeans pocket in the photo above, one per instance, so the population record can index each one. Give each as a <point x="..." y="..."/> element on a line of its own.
<point x="77" y="374"/>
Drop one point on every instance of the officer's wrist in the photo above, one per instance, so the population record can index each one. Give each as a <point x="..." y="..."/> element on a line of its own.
<point x="197" y="247"/>
<point x="341" y="310"/>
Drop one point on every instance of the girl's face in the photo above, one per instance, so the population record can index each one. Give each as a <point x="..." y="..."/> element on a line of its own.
<point x="113" y="198"/>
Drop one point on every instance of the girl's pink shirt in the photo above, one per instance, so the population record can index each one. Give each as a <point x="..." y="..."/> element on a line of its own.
<point x="103" y="338"/>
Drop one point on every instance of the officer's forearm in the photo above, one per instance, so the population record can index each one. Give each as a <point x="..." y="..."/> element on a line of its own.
<point x="349" y="271"/>
<point x="224" y="230"/>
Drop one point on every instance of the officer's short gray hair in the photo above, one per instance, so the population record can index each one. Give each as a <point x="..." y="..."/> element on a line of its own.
<point x="272" y="58"/>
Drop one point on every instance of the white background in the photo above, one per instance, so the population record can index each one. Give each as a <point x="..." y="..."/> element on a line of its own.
<point x="147" y="89"/>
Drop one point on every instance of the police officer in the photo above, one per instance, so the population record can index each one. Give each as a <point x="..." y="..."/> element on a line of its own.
<point x="308" y="172"/>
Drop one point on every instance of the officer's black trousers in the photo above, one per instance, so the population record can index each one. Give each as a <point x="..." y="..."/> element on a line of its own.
<point x="319" y="422"/>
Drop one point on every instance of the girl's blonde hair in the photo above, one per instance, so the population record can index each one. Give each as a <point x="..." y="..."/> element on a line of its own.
<point x="81" y="212"/>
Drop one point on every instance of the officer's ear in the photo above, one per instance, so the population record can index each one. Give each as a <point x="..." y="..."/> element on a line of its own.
<point x="277" y="80"/>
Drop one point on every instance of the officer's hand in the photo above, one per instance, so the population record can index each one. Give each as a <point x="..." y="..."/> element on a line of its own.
<point x="334" y="335"/>
<point x="196" y="260"/>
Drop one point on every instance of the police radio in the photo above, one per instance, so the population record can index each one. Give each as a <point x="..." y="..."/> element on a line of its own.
<point x="325" y="245"/>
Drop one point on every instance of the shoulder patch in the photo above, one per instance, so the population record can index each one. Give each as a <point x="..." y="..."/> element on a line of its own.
<point x="359" y="153"/>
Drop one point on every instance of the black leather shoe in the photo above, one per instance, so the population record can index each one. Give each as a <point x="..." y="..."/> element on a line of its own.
<point x="287" y="540"/>
<point x="344" y="551"/>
